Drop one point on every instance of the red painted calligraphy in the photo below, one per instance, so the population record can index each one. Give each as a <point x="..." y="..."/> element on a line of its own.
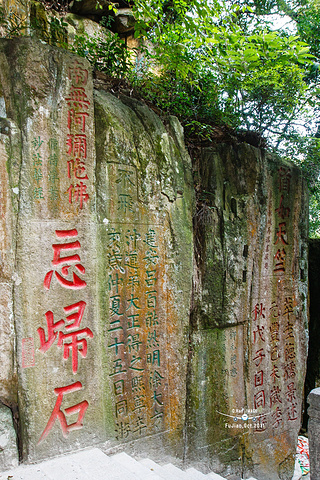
<point x="77" y="167"/>
<point x="259" y="311"/>
<point x="280" y="261"/>
<point x="280" y="234"/>
<point x="259" y="357"/>
<point x="78" y="193"/>
<point x="77" y="145"/>
<point x="259" y="399"/>
<point x="275" y="395"/>
<point x="52" y="332"/>
<point x="78" y="103"/>
<point x="258" y="334"/>
<point x="59" y="414"/>
<point x="258" y="379"/>
<point x="78" y="97"/>
<point x="77" y="283"/>
<point x="76" y="345"/>
<point x="77" y="119"/>
<point x="78" y="75"/>
<point x="282" y="211"/>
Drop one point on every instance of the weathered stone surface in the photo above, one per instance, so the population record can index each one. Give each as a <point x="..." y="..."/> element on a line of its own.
<point x="9" y="165"/>
<point x="314" y="433"/>
<point x="8" y="377"/>
<point x="313" y="364"/>
<point x="54" y="28"/>
<point x="249" y="340"/>
<point x="78" y="25"/>
<point x="96" y="219"/>
<point x="144" y="208"/>
<point x="78" y="309"/>
<point x="15" y="17"/>
<point x="8" y="446"/>
<point x="56" y="317"/>
<point x="46" y="25"/>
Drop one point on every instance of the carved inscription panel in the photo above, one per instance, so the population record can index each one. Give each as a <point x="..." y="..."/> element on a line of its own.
<point x="277" y="327"/>
<point x="136" y="344"/>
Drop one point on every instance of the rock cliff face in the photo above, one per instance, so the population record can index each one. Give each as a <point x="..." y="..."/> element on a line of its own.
<point x="130" y="313"/>
<point x="249" y="315"/>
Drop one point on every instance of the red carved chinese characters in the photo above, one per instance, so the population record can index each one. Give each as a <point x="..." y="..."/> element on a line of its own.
<point x="64" y="261"/>
<point x="273" y="339"/>
<point x="73" y="341"/>
<point x="66" y="334"/>
<point x="76" y="145"/>
<point x="58" y="414"/>
<point x="259" y="359"/>
<point x="283" y="213"/>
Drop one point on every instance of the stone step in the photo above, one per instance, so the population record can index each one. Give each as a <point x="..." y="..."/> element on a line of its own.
<point x="170" y="472"/>
<point x="210" y="476"/>
<point x="84" y="465"/>
<point x="24" y="472"/>
<point x="194" y="474"/>
<point x="93" y="464"/>
<point x="142" y="471"/>
<point x="158" y="469"/>
<point x="175" y="471"/>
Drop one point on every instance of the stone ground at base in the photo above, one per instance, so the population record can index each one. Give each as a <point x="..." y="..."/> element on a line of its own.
<point x="96" y="465"/>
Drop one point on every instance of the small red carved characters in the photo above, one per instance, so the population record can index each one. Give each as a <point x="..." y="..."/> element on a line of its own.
<point x="78" y="103"/>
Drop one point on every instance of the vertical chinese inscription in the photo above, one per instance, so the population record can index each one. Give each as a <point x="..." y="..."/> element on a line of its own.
<point x="76" y="148"/>
<point x="137" y="312"/>
<point x="56" y="262"/>
<point x="70" y="334"/>
<point x="37" y="165"/>
<point x="273" y="321"/>
<point x="53" y="175"/>
<point x="282" y="243"/>
<point x="61" y="147"/>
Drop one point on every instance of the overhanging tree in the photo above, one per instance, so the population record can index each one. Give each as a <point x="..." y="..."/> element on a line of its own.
<point x="227" y="62"/>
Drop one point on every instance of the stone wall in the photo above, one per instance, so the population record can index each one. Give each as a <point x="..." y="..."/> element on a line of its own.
<point x="249" y="318"/>
<point x="314" y="432"/>
<point x="313" y="363"/>
<point x="110" y="342"/>
<point x="101" y="259"/>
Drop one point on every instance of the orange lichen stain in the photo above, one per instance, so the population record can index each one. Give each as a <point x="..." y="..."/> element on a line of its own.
<point x="252" y="229"/>
<point x="176" y="381"/>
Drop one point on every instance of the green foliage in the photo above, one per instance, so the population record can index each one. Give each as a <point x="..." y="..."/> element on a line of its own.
<point x="254" y="77"/>
<point x="224" y="62"/>
<point x="190" y="94"/>
<point x="107" y="54"/>
<point x="314" y="209"/>
<point x="58" y="32"/>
